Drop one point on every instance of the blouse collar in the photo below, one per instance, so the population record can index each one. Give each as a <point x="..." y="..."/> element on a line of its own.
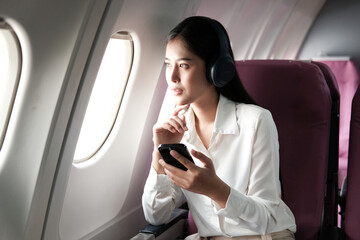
<point x="225" y="119"/>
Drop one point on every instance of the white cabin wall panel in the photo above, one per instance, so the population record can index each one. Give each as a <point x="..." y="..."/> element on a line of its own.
<point x="76" y="65"/>
<point x="336" y="32"/>
<point x="93" y="58"/>
<point x="101" y="192"/>
<point x="258" y="29"/>
<point x="291" y="39"/>
<point x="48" y="40"/>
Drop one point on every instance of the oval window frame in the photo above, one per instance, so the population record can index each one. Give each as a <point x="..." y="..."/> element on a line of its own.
<point x="81" y="157"/>
<point x="10" y="85"/>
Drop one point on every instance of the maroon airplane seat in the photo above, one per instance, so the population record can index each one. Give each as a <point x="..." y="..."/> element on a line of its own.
<point x="191" y="226"/>
<point x="299" y="99"/>
<point x="331" y="204"/>
<point x="347" y="75"/>
<point x="352" y="207"/>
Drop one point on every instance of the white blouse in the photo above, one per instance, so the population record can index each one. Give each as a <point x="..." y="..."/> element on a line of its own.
<point x="245" y="151"/>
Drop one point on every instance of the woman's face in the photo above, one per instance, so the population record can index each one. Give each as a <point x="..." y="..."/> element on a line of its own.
<point x="186" y="74"/>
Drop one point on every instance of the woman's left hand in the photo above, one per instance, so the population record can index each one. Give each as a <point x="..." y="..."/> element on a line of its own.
<point x="202" y="180"/>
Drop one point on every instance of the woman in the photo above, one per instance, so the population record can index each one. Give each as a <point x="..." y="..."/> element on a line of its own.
<point x="232" y="188"/>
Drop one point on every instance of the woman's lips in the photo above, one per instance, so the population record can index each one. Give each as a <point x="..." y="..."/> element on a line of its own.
<point x="177" y="91"/>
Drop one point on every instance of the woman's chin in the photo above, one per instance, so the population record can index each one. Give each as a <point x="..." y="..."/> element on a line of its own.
<point x="180" y="101"/>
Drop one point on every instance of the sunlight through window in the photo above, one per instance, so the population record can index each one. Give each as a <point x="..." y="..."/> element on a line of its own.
<point x="106" y="96"/>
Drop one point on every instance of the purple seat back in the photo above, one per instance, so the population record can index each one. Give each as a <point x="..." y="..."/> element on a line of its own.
<point x="300" y="101"/>
<point x="331" y="215"/>
<point x="347" y="76"/>
<point x="191" y="227"/>
<point x="352" y="209"/>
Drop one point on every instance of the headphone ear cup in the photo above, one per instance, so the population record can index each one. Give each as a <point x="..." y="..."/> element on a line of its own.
<point x="223" y="70"/>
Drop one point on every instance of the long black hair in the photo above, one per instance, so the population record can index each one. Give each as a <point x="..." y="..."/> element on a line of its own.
<point x="201" y="39"/>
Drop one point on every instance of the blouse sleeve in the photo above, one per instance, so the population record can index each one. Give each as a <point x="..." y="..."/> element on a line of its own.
<point x="257" y="208"/>
<point x="160" y="197"/>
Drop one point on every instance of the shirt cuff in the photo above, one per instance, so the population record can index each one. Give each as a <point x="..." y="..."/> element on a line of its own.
<point x="235" y="204"/>
<point x="157" y="182"/>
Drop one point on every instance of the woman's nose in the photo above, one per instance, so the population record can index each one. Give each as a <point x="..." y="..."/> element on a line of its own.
<point x="174" y="74"/>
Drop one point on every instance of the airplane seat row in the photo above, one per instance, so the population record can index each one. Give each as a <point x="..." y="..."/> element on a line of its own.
<point x="303" y="98"/>
<point x="347" y="75"/>
<point x="332" y="188"/>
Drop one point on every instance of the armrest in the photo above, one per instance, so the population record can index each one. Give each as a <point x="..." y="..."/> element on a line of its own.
<point x="175" y="226"/>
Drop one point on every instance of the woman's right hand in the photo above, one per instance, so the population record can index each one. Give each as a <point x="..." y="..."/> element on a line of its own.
<point x="168" y="131"/>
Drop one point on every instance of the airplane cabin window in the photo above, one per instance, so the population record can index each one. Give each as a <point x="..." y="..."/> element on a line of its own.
<point x="10" y="65"/>
<point x="106" y="96"/>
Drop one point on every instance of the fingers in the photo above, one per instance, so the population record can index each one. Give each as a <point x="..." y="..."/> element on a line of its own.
<point x="190" y="165"/>
<point x="195" y="179"/>
<point x="174" y="124"/>
<point x="178" y="118"/>
<point x="180" y="110"/>
<point x="183" y="160"/>
<point x="204" y="159"/>
<point x="176" y="175"/>
<point x="172" y="129"/>
<point x="168" y="167"/>
<point x="178" y="123"/>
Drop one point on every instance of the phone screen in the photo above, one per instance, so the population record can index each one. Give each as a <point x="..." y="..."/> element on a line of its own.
<point x="165" y="149"/>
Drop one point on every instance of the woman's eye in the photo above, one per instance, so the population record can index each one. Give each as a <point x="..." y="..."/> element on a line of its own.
<point x="167" y="65"/>
<point x="183" y="65"/>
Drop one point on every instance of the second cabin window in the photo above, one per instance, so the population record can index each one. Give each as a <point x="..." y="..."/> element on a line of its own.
<point x="106" y="96"/>
<point x="10" y="67"/>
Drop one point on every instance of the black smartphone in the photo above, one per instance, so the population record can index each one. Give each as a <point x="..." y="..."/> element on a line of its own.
<point x="165" y="149"/>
